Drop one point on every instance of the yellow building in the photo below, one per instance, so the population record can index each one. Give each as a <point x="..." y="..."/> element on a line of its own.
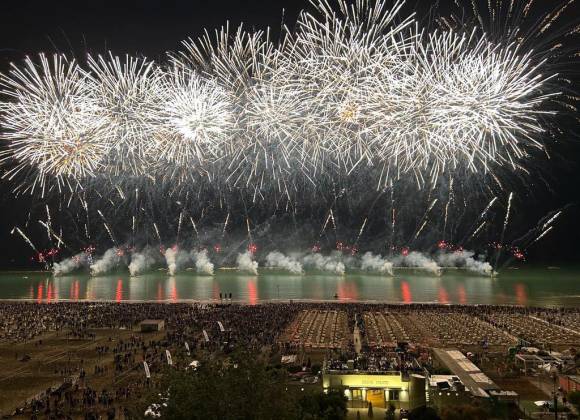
<point x="382" y="389"/>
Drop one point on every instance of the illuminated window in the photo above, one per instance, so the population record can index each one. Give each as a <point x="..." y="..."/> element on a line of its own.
<point x="394" y="394"/>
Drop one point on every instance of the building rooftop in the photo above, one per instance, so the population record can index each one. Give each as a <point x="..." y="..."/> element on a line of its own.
<point x="474" y="380"/>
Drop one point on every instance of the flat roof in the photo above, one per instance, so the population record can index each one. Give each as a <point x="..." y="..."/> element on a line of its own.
<point x="474" y="380"/>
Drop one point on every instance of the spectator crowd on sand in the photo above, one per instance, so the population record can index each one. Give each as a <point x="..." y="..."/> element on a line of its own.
<point x="271" y="329"/>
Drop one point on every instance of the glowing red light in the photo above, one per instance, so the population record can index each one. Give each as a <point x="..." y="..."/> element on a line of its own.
<point x="252" y="292"/>
<point x="252" y="248"/>
<point x="404" y="251"/>
<point x="217" y="248"/>
<point x="315" y="248"/>
<point x="406" y="292"/>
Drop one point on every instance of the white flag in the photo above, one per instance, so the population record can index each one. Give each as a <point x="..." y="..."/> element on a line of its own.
<point x="222" y="329"/>
<point x="206" y="336"/>
<point x="187" y="348"/>
<point x="147" y="372"/>
<point x="169" y="360"/>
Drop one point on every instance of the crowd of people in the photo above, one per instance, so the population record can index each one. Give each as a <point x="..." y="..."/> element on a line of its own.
<point x="193" y="327"/>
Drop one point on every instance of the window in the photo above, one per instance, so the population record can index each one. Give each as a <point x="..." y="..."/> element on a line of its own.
<point x="394" y="394"/>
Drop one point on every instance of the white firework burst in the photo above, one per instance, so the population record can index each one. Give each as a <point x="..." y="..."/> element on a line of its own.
<point x="196" y="119"/>
<point x="357" y="92"/>
<point x="129" y="90"/>
<point x="54" y="125"/>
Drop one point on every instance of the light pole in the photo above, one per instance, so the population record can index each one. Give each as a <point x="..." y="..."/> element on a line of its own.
<point x="555" y="378"/>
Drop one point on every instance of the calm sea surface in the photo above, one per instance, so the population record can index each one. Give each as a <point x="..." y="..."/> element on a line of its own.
<point x="525" y="286"/>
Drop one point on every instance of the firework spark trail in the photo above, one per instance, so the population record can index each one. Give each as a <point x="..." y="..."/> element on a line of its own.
<point x="179" y="224"/>
<point x="194" y="226"/>
<point x="551" y="220"/>
<point x="477" y="230"/>
<point x="424" y="220"/>
<point x="28" y="241"/>
<point x="362" y="228"/>
<point x="325" y="224"/>
<point x="48" y="224"/>
<point x="157" y="232"/>
<point x="107" y="228"/>
<point x="504" y="228"/>
<point x="544" y="233"/>
<point x="53" y="234"/>
<point x="250" y="240"/>
<point x="507" y="215"/>
<point x="225" y="225"/>
<point x="481" y="216"/>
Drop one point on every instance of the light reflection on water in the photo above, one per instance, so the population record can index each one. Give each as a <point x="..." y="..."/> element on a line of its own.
<point x="522" y="287"/>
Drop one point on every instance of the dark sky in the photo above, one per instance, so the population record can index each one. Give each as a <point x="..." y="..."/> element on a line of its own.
<point x="153" y="27"/>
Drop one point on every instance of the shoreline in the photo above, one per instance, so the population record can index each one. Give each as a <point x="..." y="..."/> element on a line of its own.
<point x="227" y="302"/>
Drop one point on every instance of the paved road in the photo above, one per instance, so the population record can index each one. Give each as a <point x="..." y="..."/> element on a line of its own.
<point x="356" y="339"/>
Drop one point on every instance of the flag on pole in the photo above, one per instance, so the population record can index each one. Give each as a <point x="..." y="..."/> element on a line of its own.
<point x="222" y="329"/>
<point x="187" y="348"/>
<point x="147" y="371"/>
<point x="169" y="360"/>
<point x="206" y="336"/>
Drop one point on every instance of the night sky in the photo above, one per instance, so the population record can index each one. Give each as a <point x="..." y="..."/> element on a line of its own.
<point x="153" y="27"/>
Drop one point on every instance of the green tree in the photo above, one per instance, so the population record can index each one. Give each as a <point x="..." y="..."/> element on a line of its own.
<point x="574" y="397"/>
<point x="390" y="413"/>
<point x="423" y="413"/>
<point x="461" y="412"/>
<point x="239" y="388"/>
<point x="321" y="406"/>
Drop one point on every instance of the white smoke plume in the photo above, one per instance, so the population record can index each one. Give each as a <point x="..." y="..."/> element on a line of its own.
<point x="331" y="263"/>
<point x="418" y="260"/>
<point x="464" y="259"/>
<point x="202" y="262"/>
<point x="109" y="261"/>
<point x="276" y="259"/>
<point x="246" y="263"/>
<point x="176" y="259"/>
<point x="71" y="264"/>
<point x="376" y="263"/>
<point x="142" y="261"/>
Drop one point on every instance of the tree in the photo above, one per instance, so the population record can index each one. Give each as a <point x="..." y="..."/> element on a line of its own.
<point x="423" y="413"/>
<point x="390" y="413"/>
<point x="238" y="388"/>
<point x="574" y="398"/>
<point x="461" y="412"/>
<point x="331" y="406"/>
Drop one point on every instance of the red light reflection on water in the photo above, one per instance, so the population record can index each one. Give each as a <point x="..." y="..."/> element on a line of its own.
<point x="521" y="294"/>
<point x="347" y="291"/>
<point x="461" y="295"/>
<point x="160" y="294"/>
<point x="443" y="296"/>
<point x="39" y="292"/>
<point x="173" y="292"/>
<point x="119" y="291"/>
<point x="49" y="292"/>
<point x="406" y="292"/>
<point x="252" y="292"/>
<point x="216" y="291"/>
